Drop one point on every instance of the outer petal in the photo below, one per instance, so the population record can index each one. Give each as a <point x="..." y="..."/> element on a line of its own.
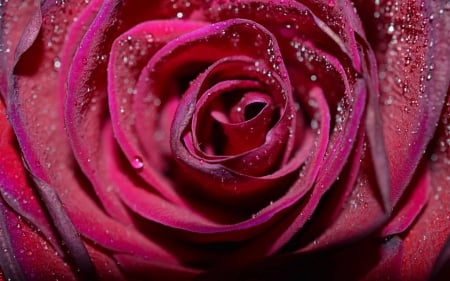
<point x="35" y="259"/>
<point x="408" y="44"/>
<point x="16" y="188"/>
<point x="34" y="108"/>
<point x="441" y="269"/>
<point x="427" y="237"/>
<point x="12" y="26"/>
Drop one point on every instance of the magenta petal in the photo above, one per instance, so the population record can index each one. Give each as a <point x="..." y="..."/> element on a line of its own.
<point x="81" y="86"/>
<point x="125" y="65"/>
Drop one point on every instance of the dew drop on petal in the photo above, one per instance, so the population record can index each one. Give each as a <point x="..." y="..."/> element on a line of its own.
<point x="390" y="29"/>
<point x="137" y="163"/>
<point x="56" y="63"/>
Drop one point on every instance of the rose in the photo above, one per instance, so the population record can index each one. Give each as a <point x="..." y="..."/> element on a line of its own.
<point x="223" y="140"/>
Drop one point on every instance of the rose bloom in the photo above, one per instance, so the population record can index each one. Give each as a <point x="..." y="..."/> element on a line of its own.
<point x="225" y="140"/>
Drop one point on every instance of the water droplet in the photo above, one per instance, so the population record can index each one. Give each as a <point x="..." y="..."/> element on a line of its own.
<point x="56" y="63"/>
<point x="390" y="29"/>
<point x="149" y="38"/>
<point x="137" y="163"/>
<point x="388" y="101"/>
<point x="331" y="3"/>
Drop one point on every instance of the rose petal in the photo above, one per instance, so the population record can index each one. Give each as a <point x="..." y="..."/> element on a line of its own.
<point x="31" y="257"/>
<point x="9" y="265"/>
<point x="441" y="268"/>
<point x="36" y="139"/>
<point x="411" y="205"/>
<point x="12" y="28"/>
<point x="140" y="269"/>
<point x="149" y="37"/>
<point x="15" y="186"/>
<point x="76" y="250"/>
<point x="330" y="207"/>
<point x="426" y="238"/>
<point x="412" y="87"/>
<point x="253" y="130"/>
<point x="162" y="211"/>
<point x="370" y="261"/>
<point x="107" y="267"/>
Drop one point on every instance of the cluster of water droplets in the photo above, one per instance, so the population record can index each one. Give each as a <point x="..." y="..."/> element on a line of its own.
<point x="406" y="51"/>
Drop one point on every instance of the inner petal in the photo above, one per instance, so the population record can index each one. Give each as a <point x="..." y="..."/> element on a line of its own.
<point x="232" y="117"/>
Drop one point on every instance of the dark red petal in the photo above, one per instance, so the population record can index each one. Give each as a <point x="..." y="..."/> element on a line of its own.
<point x="321" y="231"/>
<point x="106" y="266"/>
<point x="36" y="259"/>
<point x="411" y="47"/>
<point x="241" y="134"/>
<point x="300" y="201"/>
<point x="427" y="237"/>
<point x="409" y="207"/>
<point x="137" y="268"/>
<point x="370" y="261"/>
<point x="441" y="268"/>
